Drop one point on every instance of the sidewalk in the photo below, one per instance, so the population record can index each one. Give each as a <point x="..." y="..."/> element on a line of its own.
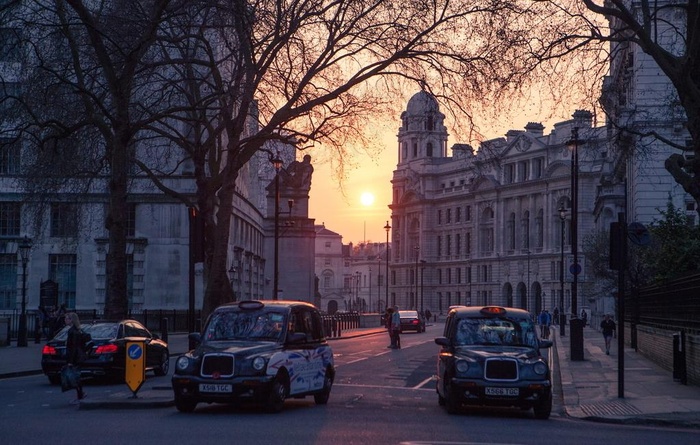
<point x="591" y="387"/>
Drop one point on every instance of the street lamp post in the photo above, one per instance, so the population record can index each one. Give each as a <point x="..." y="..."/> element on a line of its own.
<point x="369" y="282"/>
<point x="415" y="275"/>
<point x="379" y="283"/>
<point x="576" y="326"/>
<point x="277" y="163"/>
<point x="358" y="306"/>
<point x="387" y="227"/>
<point x="422" y="270"/>
<point x="562" y="313"/>
<point x="24" y="247"/>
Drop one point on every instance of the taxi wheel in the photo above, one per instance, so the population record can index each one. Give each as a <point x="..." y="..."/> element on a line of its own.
<point x="164" y="364"/>
<point x="451" y="402"/>
<point x="184" y="406"/>
<point x="543" y="409"/>
<point x="277" y="396"/>
<point x="322" y="397"/>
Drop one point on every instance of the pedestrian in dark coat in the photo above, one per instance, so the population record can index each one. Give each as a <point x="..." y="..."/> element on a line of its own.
<point x="75" y="348"/>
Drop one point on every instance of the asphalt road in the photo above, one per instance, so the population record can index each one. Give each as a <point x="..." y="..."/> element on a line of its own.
<point x="381" y="396"/>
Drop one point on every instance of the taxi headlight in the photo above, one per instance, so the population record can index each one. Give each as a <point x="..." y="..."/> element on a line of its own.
<point x="462" y="366"/>
<point x="259" y="363"/>
<point x="540" y="368"/>
<point x="182" y="363"/>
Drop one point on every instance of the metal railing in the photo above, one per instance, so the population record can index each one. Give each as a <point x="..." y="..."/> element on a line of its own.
<point x="176" y="321"/>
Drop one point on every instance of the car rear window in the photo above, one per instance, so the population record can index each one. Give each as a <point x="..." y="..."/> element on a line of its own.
<point x="407" y="314"/>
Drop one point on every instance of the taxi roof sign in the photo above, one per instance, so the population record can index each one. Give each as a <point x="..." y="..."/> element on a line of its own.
<point x="493" y="310"/>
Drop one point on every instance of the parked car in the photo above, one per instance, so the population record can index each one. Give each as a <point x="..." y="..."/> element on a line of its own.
<point x="490" y="356"/>
<point x="107" y="354"/>
<point x="259" y="352"/>
<point x="411" y="321"/>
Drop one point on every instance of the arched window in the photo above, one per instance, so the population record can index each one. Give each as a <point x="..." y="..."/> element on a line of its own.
<point x="429" y="150"/>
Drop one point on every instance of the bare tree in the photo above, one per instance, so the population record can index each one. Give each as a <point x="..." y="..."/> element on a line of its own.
<point x="668" y="31"/>
<point x="212" y="82"/>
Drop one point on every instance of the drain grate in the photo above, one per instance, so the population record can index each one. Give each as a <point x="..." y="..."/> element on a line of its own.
<point x="615" y="408"/>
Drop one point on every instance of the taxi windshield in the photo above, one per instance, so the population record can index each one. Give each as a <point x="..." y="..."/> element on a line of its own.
<point x="245" y="325"/>
<point x="495" y="331"/>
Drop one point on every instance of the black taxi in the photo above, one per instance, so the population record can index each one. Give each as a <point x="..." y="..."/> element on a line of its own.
<point x="256" y="351"/>
<point x="490" y="356"/>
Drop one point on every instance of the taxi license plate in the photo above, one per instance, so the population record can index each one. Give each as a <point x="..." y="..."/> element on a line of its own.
<point x="512" y="392"/>
<point x="215" y="387"/>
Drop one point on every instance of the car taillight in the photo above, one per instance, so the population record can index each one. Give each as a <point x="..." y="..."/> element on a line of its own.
<point x="415" y="322"/>
<point x="106" y="349"/>
<point x="49" y="350"/>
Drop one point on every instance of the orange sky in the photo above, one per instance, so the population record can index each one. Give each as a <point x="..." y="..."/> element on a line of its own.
<point x="347" y="215"/>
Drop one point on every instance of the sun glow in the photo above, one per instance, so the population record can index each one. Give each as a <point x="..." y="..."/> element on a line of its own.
<point x="367" y="199"/>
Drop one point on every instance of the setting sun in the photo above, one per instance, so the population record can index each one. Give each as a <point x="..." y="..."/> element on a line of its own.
<point x="367" y="199"/>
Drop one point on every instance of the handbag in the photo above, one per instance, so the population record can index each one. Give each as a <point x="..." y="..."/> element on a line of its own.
<point x="70" y="377"/>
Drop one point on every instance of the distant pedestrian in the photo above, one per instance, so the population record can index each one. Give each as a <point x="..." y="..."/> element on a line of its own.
<point x="428" y="314"/>
<point x="556" y="315"/>
<point x="584" y="317"/>
<point x="396" y="328"/>
<point x="387" y="323"/>
<point x="75" y="349"/>
<point x="609" y="331"/>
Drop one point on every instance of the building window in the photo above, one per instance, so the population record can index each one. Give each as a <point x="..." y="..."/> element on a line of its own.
<point x="523" y="174"/>
<point x="328" y="245"/>
<point x="439" y="246"/>
<point x="458" y="244"/>
<point x="458" y="214"/>
<point x="429" y="150"/>
<point x="8" y="281"/>
<point x="9" y="157"/>
<point x="430" y="125"/>
<point x="10" y="218"/>
<point x="439" y="276"/>
<point x="539" y="228"/>
<point x="131" y="220"/>
<point x="62" y="270"/>
<point x="64" y="220"/>
<point x="448" y="216"/>
<point x="510" y="232"/>
<point x="537" y="168"/>
<point x="508" y="173"/>
<point x="468" y="216"/>
<point x="468" y="243"/>
<point x="449" y="275"/>
<point x="415" y="150"/>
<point x="439" y="216"/>
<point x="448" y="244"/>
<point x="458" y="272"/>
<point x="526" y="230"/>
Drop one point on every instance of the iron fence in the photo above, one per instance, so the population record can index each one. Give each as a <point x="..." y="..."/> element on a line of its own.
<point x="158" y="320"/>
<point x="674" y="305"/>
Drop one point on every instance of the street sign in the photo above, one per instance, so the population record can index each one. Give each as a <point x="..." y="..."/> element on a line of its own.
<point x="638" y="234"/>
<point x="575" y="269"/>
<point x="135" y="372"/>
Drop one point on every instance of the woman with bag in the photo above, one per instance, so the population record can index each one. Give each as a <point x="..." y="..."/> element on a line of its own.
<point x="75" y="352"/>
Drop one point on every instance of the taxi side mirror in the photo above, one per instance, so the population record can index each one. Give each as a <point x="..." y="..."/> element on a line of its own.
<point x="443" y="341"/>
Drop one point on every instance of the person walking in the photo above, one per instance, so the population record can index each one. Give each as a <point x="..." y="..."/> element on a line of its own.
<point x="75" y="350"/>
<point x="387" y="323"/>
<point x="396" y="328"/>
<point x="609" y="331"/>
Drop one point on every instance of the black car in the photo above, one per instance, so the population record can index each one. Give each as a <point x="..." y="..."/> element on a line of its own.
<point x="490" y="356"/>
<point x="107" y="354"/>
<point x="256" y="351"/>
<point x="411" y="321"/>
